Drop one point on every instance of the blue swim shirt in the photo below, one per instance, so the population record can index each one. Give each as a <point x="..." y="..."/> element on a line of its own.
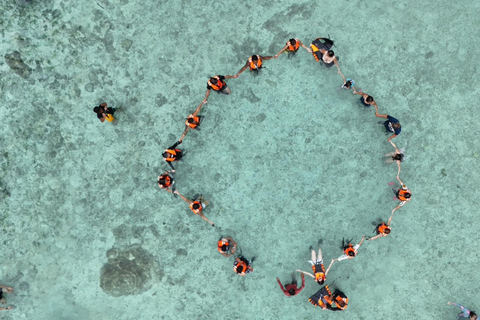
<point x="393" y="120"/>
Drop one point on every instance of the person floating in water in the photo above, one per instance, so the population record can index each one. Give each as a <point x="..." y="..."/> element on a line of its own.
<point x="398" y="156"/>
<point x="242" y="266"/>
<point x="291" y="48"/>
<point x="382" y="230"/>
<point x="347" y="82"/>
<point x="391" y="125"/>
<point x="217" y="83"/>
<point x="323" y="298"/>
<point x="5" y="289"/>
<point x="403" y="194"/>
<point x="322" y="51"/>
<point x="255" y="63"/>
<point x="349" y="250"/>
<point x="366" y="100"/>
<point x="292" y="288"/>
<point x="465" y="312"/>
<point x="319" y="273"/>
<point x="193" y="121"/>
<point x="172" y="154"/>
<point x="340" y="301"/>
<point x="226" y="246"/>
<point x="104" y="113"/>
<point x="165" y="181"/>
<point x="197" y="205"/>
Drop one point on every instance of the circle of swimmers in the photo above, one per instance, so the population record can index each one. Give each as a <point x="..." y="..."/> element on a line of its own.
<point x="326" y="298"/>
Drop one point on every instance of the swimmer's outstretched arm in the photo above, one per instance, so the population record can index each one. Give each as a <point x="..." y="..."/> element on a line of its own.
<point x="391" y="137"/>
<point x="241" y="70"/>
<point x="361" y="241"/>
<point x="183" y="197"/>
<point x="304" y="46"/>
<point x="184" y="133"/>
<point x="267" y="58"/>
<point x="198" y="108"/>
<point x="206" y="96"/>
<point x="230" y="77"/>
<point x="280" y="52"/>
<point x="205" y="218"/>
<point x="399" y="164"/>
<point x="335" y="62"/>
<point x="329" y="267"/>
<point x="343" y="77"/>
<point x="391" y="217"/>
<point x="400" y="181"/>
<point x="307" y="273"/>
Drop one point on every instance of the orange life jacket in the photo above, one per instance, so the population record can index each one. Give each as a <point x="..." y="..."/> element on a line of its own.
<point x="194" y="123"/>
<point x="339" y="299"/>
<point x="314" y="52"/>
<point x="401" y="194"/>
<point x="222" y="243"/>
<point x="200" y="208"/>
<point x="253" y="65"/>
<point x="319" y="274"/>
<point x="349" y="249"/>
<point x="382" y="227"/>
<point x="239" y="263"/>
<point x="172" y="154"/>
<point x="168" y="180"/>
<point x="291" y="48"/>
<point x="216" y="87"/>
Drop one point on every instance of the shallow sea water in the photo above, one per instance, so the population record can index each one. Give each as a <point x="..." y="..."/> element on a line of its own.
<point x="286" y="160"/>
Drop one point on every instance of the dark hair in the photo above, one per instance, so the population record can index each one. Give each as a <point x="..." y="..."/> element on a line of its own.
<point x="96" y="109"/>
<point x="331" y="53"/>
<point x="387" y="231"/>
<point x="472" y="313"/>
<point x="190" y="120"/>
<point x="351" y="253"/>
<point x="165" y="154"/>
<point x="369" y="99"/>
<point x="225" y="247"/>
<point x="196" y="205"/>
<point x="292" y="41"/>
<point x="348" y="84"/>
<point x="291" y="292"/>
<point x="255" y="58"/>
<point x="161" y="180"/>
<point x="396" y="125"/>
<point x="239" y="269"/>
<point x="408" y="195"/>
<point x="341" y="303"/>
<point x="320" y="281"/>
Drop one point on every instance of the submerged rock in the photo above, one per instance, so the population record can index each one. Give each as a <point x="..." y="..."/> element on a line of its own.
<point x="15" y="62"/>
<point x="129" y="271"/>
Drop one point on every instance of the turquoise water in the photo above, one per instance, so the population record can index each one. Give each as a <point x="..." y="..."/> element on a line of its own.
<point x="286" y="160"/>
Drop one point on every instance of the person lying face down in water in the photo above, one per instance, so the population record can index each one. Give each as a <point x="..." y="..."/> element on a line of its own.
<point x="255" y="63"/>
<point x="322" y="51"/>
<point x="291" y="48"/>
<point x="347" y="83"/>
<point x="226" y="246"/>
<point x="466" y="314"/>
<point x="196" y="205"/>
<point x="365" y="99"/>
<point x="192" y="122"/>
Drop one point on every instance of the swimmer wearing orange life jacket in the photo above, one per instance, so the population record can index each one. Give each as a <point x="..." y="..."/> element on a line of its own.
<point x="217" y="83"/>
<point x="291" y="48"/>
<point x="172" y="154"/>
<point x="165" y="181"/>
<point x="403" y="194"/>
<point x="323" y="298"/>
<point x="319" y="273"/>
<point x="382" y="230"/>
<point x="226" y="246"/>
<point x="197" y="205"/>
<point x="242" y="266"/>
<point x="255" y="63"/>
<point x="340" y="301"/>
<point x="349" y="250"/>
<point x="192" y="122"/>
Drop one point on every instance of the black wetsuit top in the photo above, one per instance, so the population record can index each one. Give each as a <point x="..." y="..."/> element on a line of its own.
<point x="398" y="157"/>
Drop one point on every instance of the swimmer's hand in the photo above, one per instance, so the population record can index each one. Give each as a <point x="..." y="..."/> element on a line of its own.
<point x="176" y="192"/>
<point x="449" y="303"/>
